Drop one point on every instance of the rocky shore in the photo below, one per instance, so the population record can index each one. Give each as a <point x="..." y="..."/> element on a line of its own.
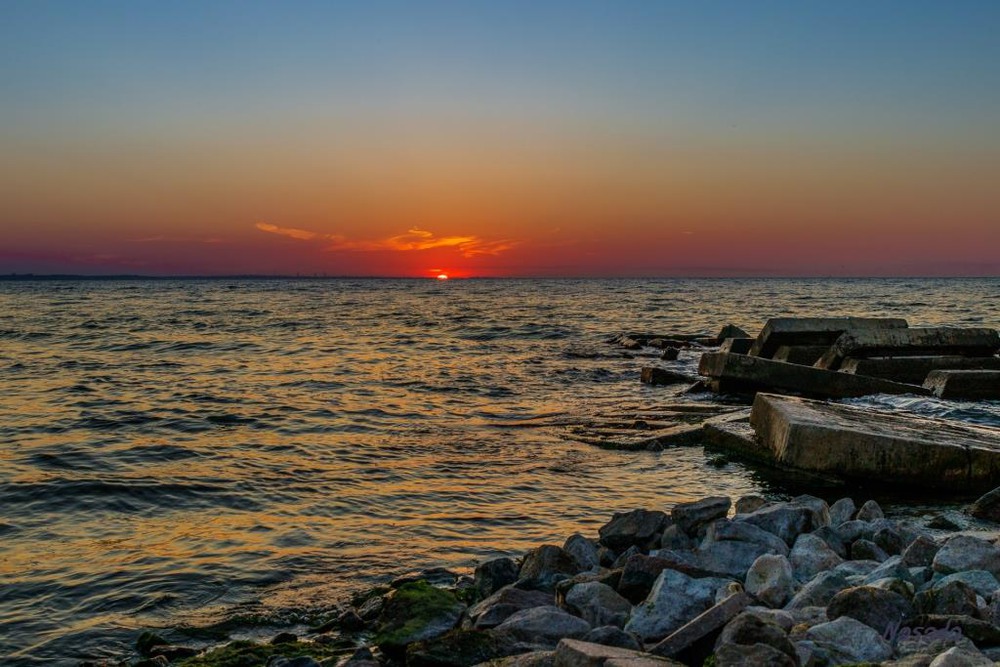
<point x="712" y="582"/>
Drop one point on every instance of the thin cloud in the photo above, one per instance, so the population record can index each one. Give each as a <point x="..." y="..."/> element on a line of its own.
<point x="414" y="239"/>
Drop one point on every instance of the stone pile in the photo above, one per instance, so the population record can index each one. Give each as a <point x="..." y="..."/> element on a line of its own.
<point x="789" y="583"/>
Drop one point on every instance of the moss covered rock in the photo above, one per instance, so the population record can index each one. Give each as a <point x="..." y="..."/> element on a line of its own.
<point x="253" y="654"/>
<point x="415" y="612"/>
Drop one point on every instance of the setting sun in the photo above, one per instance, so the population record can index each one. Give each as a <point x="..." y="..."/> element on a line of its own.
<point x="442" y="276"/>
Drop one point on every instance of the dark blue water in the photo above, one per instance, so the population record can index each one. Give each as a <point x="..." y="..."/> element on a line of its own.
<point x="240" y="454"/>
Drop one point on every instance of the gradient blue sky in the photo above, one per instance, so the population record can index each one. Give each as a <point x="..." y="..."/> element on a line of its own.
<point x="577" y="138"/>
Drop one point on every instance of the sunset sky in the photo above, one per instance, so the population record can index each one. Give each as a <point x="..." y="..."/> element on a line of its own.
<point x="500" y="138"/>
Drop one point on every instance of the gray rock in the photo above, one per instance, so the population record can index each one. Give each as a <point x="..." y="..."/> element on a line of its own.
<point x="748" y="504"/>
<point x="898" y="586"/>
<point x="540" y="628"/>
<point x="846" y="640"/>
<point x="674" y="600"/>
<point x="779" y="617"/>
<point x="892" y="567"/>
<point x="987" y="507"/>
<point x="877" y="608"/>
<point x="639" y="527"/>
<point x="690" y="516"/>
<point x="598" y="604"/>
<point x="833" y="540"/>
<point x="890" y="540"/>
<point x="754" y="655"/>
<point x="676" y="539"/>
<point x="497" y="608"/>
<point x="819" y="591"/>
<point x="841" y="511"/>
<point x="964" y="552"/>
<point x="741" y="531"/>
<point x="953" y="597"/>
<point x="583" y="551"/>
<point x="493" y="575"/>
<point x="870" y="511"/>
<point x="980" y="581"/>
<point x="810" y="556"/>
<point x="867" y="550"/>
<point x="730" y="558"/>
<point x="544" y="566"/>
<point x="609" y="635"/>
<point x="770" y="580"/>
<point x="785" y="520"/>
<point x="818" y="506"/>
<point x="853" y="568"/>
<point x="748" y="629"/>
<point x="639" y="575"/>
<point x="805" y="618"/>
<point x="961" y="657"/>
<point x="856" y="530"/>
<point x="576" y="653"/>
<point x="625" y="556"/>
<point x="921" y="552"/>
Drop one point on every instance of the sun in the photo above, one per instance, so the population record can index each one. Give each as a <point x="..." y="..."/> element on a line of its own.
<point x="442" y="276"/>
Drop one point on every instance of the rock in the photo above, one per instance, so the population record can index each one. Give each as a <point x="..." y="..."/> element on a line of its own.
<point x="640" y="573"/>
<point x="841" y="511"/>
<point x="670" y="354"/>
<point x="964" y="552"/>
<point x="497" y="608"/>
<point x="530" y="659"/>
<point x="923" y="341"/>
<point x="968" y="385"/>
<point x="147" y="640"/>
<point x="736" y="345"/>
<point x="703" y="627"/>
<point x="953" y="597"/>
<point x="797" y="331"/>
<point x="674" y="600"/>
<point x="867" y="550"/>
<point x="819" y="507"/>
<point x="626" y="556"/>
<point x="810" y="556"/>
<point x="914" y="370"/>
<point x="921" y="552"/>
<point x="853" y="568"/>
<point x="779" y="617"/>
<point x="878" y="609"/>
<point x="173" y="652"/>
<point x="539" y="628"/>
<point x="690" y="516"/>
<point x="846" y="640"/>
<point x="980" y="632"/>
<point x="941" y="522"/>
<point x="598" y="604"/>
<point x="890" y="540"/>
<point x="576" y="653"/>
<point x="654" y="375"/>
<point x="639" y="527"/>
<point x="416" y="611"/>
<point x="785" y="520"/>
<point x="987" y="506"/>
<point x="819" y="591"/>
<point x="770" y="580"/>
<point x="284" y="638"/>
<point x="731" y="558"/>
<point x="897" y="586"/>
<point x="748" y="629"/>
<point x="731" y="331"/>
<point x="155" y="661"/>
<point x="981" y="582"/>
<point x="458" y="648"/>
<point x="609" y="635"/>
<point x="856" y="530"/>
<point x="741" y="374"/>
<point x="493" y="575"/>
<point x="748" y="504"/>
<point x="891" y="567"/>
<point x="742" y="531"/>
<point x="753" y="655"/>
<point x="870" y="511"/>
<point x="583" y="552"/>
<point x="544" y="566"/>
<point x="833" y="540"/>
<point x="960" y="657"/>
<point x="676" y="539"/>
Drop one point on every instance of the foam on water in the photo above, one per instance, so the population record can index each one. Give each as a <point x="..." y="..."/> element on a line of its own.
<point x="219" y="454"/>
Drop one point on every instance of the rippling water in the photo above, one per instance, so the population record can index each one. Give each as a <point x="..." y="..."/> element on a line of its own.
<point x="225" y="454"/>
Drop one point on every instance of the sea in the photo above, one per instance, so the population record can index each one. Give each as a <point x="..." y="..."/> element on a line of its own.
<point x="213" y="458"/>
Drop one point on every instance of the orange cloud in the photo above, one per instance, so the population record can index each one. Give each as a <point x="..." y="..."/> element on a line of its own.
<point x="413" y="240"/>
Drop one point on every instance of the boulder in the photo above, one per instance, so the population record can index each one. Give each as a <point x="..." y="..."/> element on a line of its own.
<point x="748" y="504"/>
<point x="965" y="385"/>
<point x="818" y="591"/>
<point x="867" y="550"/>
<point x="661" y="376"/>
<point x="846" y="640"/>
<point x="870" y="511"/>
<point x="987" y="507"/>
<point x="544" y="566"/>
<point x="736" y="345"/>
<point x="841" y="511"/>
<point x="670" y="354"/>
<point x="810" y="556"/>
<point x="953" y="597"/>
<point x="770" y="580"/>
<point x="854" y="568"/>
<point x="702" y="628"/>
<point x="877" y="608"/>
<point x="674" y="600"/>
<point x="856" y="530"/>
<point x="785" y="520"/>
<point x="493" y="575"/>
<point x="598" y="604"/>
<point x="748" y="629"/>
<point x="690" y="516"/>
<point x="752" y="655"/>
<point x="731" y="331"/>
<point x="982" y="633"/>
<point x="964" y="552"/>
<point x="676" y="539"/>
<point x="639" y="527"/>
<point x="625" y="556"/>
<point x="924" y="341"/>
<point x="416" y="611"/>
<point x="458" y="648"/>
<point x="833" y="539"/>
<point x="640" y="572"/>
<point x="920" y="552"/>
<point x="583" y="551"/>
<point x="610" y="635"/>
<point x="539" y="628"/>
<point x="981" y="582"/>
<point x="731" y="558"/>
<point x="497" y="608"/>
<point x="961" y="657"/>
<point x="865" y="445"/>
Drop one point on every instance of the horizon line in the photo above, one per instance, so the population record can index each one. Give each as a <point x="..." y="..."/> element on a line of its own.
<point x="10" y="277"/>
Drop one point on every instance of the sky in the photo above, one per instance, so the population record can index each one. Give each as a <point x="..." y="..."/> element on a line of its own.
<point x="500" y="138"/>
